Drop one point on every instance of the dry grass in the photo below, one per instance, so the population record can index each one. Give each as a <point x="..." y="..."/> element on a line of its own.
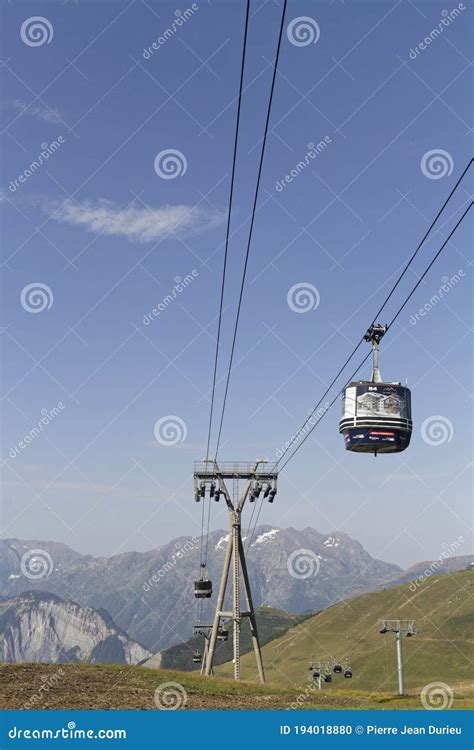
<point x="108" y="686"/>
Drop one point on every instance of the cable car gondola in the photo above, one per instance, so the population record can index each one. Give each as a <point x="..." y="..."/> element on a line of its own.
<point x="376" y="415"/>
<point x="197" y="658"/>
<point x="202" y="589"/>
<point x="348" y="673"/>
<point x="337" y="669"/>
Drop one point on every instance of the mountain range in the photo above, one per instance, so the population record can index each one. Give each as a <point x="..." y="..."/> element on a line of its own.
<point x="149" y="595"/>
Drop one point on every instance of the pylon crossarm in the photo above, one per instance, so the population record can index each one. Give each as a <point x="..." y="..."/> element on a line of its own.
<point x="245" y="493"/>
<point x="225" y="493"/>
<point x="244" y="497"/>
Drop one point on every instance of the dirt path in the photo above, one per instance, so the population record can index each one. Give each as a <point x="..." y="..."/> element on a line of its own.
<point x="79" y="686"/>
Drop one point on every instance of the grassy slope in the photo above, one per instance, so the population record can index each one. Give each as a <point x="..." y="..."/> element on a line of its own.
<point x="111" y="686"/>
<point x="443" y="608"/>
<point x="272" y="623"/>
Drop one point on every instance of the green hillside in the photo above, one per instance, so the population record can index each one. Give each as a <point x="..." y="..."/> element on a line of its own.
<point x="443" y="608"/>
<point x="272" y="623"/>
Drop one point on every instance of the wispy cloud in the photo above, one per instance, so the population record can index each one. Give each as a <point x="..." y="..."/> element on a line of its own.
<point x="137" y="224"/>
<point x="45" y="114"/>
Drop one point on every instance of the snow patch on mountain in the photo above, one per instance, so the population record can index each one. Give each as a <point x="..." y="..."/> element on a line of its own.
<point x="331" y="541"/>
<point x="267" y="536"/>
<point x="223" y="540"/>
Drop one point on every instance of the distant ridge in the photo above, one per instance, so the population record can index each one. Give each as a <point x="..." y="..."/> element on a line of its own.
<point x="149" y="595"/>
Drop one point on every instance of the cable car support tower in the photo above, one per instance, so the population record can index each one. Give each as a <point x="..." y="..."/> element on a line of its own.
<point x="210" y="475"/>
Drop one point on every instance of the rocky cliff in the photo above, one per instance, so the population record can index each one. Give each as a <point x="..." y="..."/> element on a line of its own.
<point x="42" y="627"/>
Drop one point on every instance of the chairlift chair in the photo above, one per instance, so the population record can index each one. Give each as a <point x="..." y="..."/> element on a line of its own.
<point x="222" y="634"/>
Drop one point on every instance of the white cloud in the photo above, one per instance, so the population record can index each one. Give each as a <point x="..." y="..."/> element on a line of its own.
<point x="137" y="224"/>
<point x="45" y="114"/>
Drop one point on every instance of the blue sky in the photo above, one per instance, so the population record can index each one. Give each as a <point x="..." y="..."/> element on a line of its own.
<point x="109" y="236"/>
